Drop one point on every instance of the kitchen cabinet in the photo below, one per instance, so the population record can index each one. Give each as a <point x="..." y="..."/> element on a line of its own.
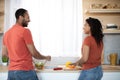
<point x="3" y="75"/>
<point x="111" y="76"/>
<point x="2" y="15"/>
<point x="74" y="76"/>
<point x="58" y="76"/>
<point x="66" y="76"/>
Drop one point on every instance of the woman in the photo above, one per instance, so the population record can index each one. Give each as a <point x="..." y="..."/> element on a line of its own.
<point x="91" y="51"/>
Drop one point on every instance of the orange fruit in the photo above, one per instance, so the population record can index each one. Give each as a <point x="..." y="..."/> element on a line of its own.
<point x="71" y="66"/>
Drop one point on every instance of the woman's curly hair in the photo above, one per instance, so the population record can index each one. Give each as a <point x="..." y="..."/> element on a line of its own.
<point x="96" y="29"/>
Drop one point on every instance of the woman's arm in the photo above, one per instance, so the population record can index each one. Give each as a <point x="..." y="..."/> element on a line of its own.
<point x="85" y="55"/>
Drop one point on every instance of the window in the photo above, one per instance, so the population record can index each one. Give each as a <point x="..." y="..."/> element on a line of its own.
<point x="56" y="25"/>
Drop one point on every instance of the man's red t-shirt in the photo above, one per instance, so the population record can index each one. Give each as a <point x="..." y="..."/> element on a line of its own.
<point x="16" y="40"/>
<point x="95" y="52"/>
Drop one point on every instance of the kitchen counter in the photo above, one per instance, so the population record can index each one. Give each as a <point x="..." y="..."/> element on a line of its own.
<point x="3" y="68"/>
<point x="106" y="68"/>
<point x="109" y="73"/>
<point x="109" y="68"/>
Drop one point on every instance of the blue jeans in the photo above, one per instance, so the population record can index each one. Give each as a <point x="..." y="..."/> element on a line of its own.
<point x="22" y="75"/>
<point x="91" y="74"/>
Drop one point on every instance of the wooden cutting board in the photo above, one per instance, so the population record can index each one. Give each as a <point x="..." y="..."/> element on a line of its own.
<point x="68" y="69"/>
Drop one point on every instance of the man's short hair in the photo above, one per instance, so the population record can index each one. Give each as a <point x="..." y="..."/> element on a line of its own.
<point x="20" y="12"/>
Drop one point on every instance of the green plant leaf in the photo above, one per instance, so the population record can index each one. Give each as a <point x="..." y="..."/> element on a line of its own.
<point x="4" y="59"/>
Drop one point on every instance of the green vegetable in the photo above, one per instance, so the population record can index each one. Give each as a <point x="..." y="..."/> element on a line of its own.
<point x="4" y="59"/>
<point x="39" y="65"/>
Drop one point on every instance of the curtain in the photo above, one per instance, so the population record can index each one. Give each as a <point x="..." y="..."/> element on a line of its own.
<point x="56" y="25"/>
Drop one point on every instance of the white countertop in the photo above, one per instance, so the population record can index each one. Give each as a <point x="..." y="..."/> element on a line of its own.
<point x="106" y="68"/>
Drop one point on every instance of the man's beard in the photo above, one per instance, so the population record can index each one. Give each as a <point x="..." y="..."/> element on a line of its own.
<point x="24" y="25"/>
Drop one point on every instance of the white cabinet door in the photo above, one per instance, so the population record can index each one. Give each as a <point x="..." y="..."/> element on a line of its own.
<point x="58" y="76"/>
<point x="3" y="75"/>
<point x="111" y="76"/>
<point x="74" y="76"/>
<point x="66" y="76"/>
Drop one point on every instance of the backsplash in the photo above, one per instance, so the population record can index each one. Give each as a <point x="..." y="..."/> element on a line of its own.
<point x="111" y="45"/>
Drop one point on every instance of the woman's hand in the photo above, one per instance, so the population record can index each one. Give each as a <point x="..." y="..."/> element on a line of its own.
<point x="75" y="64"/>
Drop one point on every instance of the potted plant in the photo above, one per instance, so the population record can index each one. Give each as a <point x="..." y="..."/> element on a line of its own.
<point x="4" y="60"/>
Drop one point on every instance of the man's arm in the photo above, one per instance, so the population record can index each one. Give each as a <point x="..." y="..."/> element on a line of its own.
<point x="4" y="51"/>
<point x="36" y="54"/>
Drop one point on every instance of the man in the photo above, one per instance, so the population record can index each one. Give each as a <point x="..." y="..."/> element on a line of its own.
<point x="18" y="46"/>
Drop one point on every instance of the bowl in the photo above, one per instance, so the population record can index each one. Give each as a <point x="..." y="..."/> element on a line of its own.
<point x="39" y="65"/>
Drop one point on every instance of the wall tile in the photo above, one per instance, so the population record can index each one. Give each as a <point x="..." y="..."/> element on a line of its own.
<point x="111" y="45"/>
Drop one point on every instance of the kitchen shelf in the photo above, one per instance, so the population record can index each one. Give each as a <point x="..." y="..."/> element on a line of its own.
<point x="111" y="31"/>
<point x="103" y="11"/>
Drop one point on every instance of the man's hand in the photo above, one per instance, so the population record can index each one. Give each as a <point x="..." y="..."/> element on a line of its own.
<point x="48" y="58"/>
